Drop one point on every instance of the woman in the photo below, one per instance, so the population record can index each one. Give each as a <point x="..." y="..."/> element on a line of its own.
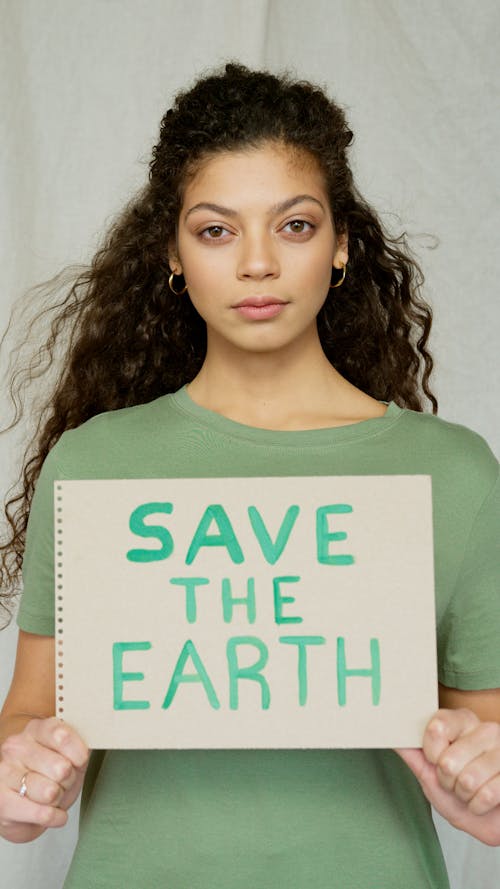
<point x="247" y="315"/>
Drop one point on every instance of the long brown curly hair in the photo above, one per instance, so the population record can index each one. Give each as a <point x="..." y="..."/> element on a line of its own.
<point x="122" y="337"/>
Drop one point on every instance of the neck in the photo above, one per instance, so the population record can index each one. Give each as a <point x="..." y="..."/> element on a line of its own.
<point x="288" y="389"/>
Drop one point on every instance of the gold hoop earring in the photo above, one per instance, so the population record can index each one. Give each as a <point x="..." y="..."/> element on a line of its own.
<point x="333" y="286"/>
<point x="170" y="283"/>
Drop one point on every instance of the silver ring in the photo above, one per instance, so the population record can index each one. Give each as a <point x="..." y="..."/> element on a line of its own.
<point x="23" y="790"/>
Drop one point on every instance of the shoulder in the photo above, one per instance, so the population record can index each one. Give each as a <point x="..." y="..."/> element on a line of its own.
<point x="457" y="452"/>
<point x="112" y="439"/>
<point x="447" y="437"/>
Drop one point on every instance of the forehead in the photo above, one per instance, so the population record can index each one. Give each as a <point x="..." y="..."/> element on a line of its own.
<point x="274" y="168"/>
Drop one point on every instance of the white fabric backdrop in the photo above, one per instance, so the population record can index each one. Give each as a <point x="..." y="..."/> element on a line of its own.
<point x="83" y="89"/>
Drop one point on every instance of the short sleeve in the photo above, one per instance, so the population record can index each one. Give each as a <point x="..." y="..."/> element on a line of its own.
<point x="472" y="650"/>
<point x="36" y="610"/>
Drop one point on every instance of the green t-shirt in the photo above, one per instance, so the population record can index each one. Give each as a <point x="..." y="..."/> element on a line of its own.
<point x="234" y="819"/>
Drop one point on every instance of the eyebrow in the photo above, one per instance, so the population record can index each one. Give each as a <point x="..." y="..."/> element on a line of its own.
<point x="276" y="208"/>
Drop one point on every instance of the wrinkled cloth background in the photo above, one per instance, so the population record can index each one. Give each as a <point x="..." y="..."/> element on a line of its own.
<point x="83" y="89"/>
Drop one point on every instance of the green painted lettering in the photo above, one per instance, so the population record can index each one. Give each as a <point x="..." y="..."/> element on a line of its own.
<point x="190" y="584"/>
<point x="280" y="600"/>
<point x="272" y="551"/>
<point x="137" y="526"/>
<point x="302" y="642"/>
<point x="373" y="672"/>
<point x="226" y="536"/>
<point x="324" y="536"/>
<point x="119" y="677"/>
<point x="252" y="672"/>
<point x="200" y="675"/>
<point x="229" y="601"/>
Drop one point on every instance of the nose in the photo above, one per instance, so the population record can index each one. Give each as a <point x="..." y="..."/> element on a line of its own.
<point x="257" y="256"/>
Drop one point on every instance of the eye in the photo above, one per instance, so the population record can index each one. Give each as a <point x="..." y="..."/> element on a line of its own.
<point x="299" y="226"/>
<point x="212" y="233"/>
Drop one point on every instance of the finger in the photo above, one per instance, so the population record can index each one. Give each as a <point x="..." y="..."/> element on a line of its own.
<point x="445" y="727"/>
<point x="486" y="798"/>
<point x="412" y="756"/>
<point x="61" y="737"/>
<point x="31" y="785"/>
<point x="15" y="809"/>
<point x="462" y="767"/>
<point x="23" y="753"/>
<point x="42" y="790"/>
<point x="416" y="761"/>
<point x="476" y="773"/>
<point x="40" y="760"/>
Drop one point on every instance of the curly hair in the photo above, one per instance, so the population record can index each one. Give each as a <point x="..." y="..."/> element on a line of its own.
<point x="126" y="339"/>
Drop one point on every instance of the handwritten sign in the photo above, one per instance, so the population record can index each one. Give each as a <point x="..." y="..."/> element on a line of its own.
<point x="246" y="612"/>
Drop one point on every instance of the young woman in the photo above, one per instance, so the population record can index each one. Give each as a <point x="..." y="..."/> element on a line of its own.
<point x="248" y="315"/>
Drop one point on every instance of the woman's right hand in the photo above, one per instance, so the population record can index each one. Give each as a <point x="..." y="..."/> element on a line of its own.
<point x="52" y="759"/>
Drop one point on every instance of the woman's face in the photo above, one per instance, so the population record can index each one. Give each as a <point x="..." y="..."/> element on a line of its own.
<point x="256" y="245"/>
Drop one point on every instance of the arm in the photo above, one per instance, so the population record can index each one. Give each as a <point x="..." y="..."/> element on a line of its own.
<point x="485" y="704"/>
<point x="459" y="765"/>
<point x="36" y="744"/>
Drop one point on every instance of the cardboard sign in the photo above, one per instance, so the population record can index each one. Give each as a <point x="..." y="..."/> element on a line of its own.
<point x="246" y="612"/>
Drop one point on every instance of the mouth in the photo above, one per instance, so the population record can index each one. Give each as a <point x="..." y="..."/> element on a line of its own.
<point x="260" y="307"/>
<point x="258" y="301"/>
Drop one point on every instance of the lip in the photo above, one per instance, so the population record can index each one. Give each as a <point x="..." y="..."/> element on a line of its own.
<point x="259" y="301"/>
<point x="260" y="311"/>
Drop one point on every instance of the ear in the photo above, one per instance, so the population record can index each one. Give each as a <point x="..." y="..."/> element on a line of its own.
<point x="173" y="258"/>
<point x="342" y="251"/>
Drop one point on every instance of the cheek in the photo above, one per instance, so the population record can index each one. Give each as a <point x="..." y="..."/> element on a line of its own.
<point x="204" y="285"/>
<point x="316" y="275"/>
<point x="317" y="260"/>
<point x="200" y="269"/>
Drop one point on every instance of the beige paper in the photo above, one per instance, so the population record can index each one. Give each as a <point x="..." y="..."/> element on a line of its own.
<point x="332" y="641"/>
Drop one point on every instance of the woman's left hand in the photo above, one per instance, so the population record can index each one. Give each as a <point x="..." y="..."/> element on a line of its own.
<point x="459" y="771"/>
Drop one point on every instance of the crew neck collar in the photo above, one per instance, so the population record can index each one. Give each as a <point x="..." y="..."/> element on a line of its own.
<point x="284" y="438"/>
